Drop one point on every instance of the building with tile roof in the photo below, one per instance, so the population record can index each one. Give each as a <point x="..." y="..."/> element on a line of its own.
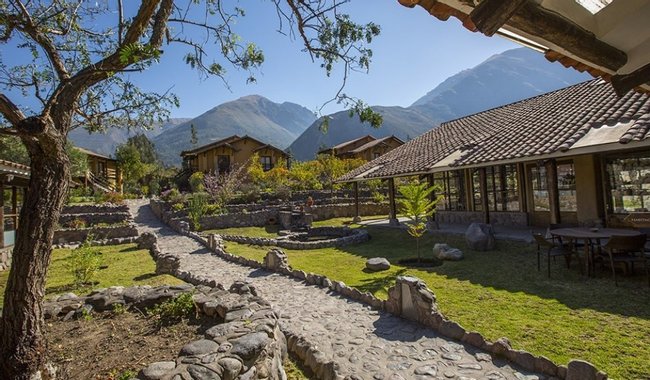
<point x="366" y="147"/>
<point x="221" y="155"/>
<point x="579" y="154"/>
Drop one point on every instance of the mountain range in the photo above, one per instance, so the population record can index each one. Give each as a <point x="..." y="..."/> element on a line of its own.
<point x="107" y="141"/>
<point x="503" y="78"/>
<point x="253" y="115"/>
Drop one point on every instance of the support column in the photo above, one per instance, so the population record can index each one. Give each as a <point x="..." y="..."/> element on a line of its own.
<point x="553" y="191"/>
<point x="433" y="224"/>
<point x="392" y="218"/>
<point x="357" y="217"/>
<point x="484" y="195"/>
<point x="2" y="214"/>
<point x="14" y="205"/>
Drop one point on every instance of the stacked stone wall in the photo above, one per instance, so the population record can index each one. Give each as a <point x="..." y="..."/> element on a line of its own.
<point x="244" y="341"/>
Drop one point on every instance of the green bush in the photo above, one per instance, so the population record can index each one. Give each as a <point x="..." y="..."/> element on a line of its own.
<point x="213" y="209"/>
<point x="113" y="197"/>
<point x="178" y="206"/>
<point x="196" y="208"/>
<point x="176" y="309"/>
<point x="196" y="182"/>
<point x="84" y="263"/>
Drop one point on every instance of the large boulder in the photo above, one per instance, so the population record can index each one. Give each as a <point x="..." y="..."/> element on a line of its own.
<point x="377" y="264"/>
<point x="480" y="237"/>
<point x="443" y="251"/>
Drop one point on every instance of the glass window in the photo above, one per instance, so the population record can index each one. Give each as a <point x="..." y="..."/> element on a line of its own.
<point x="452" y="188"/>
<point x="566" y="184"/>
<point x="629" y="183"/>
<point x="266" y="163"/>
<point x="502" y="188"/>
<point x="566" y="187"/>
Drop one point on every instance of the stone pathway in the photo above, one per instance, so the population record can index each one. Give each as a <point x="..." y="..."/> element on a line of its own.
<point x="364" y="343"/>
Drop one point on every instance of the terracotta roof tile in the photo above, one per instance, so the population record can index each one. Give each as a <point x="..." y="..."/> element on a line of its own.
<point x="540" y="125"/>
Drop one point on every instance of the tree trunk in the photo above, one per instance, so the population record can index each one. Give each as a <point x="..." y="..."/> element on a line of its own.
<point x="22" y="346"/>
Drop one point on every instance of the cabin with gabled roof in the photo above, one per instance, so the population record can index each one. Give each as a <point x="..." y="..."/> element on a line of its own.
<point x="219" y="156"/>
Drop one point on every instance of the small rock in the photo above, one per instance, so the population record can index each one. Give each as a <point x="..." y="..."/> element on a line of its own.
<point x="376" y="264"/>
<point x="427" y="370"/>
<point x="581" y="370"/>
<point x="155" y="371"/>
<point x="248" y="346"/>
<point x="199" y="347"/>
<point x="231" y="368"/>
<point x="445" y="252"/>
<point x="480" y="237"/>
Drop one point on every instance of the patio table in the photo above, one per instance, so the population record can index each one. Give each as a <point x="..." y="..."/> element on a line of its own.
<point x="588" y="234"/>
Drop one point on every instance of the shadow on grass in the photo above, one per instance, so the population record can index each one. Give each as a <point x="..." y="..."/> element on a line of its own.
<point x="145" y="276"/>
<point x="373" y="284"/>
<point x="272" y="229"/>
<point x="511" y="267"/>
<point x="130" y="249"/>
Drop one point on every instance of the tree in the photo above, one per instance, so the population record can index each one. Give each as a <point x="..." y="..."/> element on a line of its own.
<point x="78" y="161"/>
<point x="75" y="59"/>
<point x="417" y="205"/>
<point x="12" y="149"/>
<point x="139" y="162"/>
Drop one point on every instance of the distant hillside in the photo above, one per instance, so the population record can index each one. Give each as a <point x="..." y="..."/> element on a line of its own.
<point x="503" y="78"/>
<point x="401" y="122"/>
<point x="106" y="142"/>
<point x="254" y="115"/>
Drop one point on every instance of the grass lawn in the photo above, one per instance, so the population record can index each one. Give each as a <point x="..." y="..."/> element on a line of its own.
<point x="125" y="266"/>
<point x="501" y="293"/>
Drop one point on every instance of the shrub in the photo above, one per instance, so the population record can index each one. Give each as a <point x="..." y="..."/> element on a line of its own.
<point x="178" y="206"/>
<point x="176" y="309"/>
<point x="196" y="182"/>
<point x="196" y="208"/>
<point x="113" y="197"/>
<point x="84" y="262"/>
<point x="378" y="197"/>
<point x="76" y="223"/>
<point x="417" y="205"/>
<point x="213" y="209"/>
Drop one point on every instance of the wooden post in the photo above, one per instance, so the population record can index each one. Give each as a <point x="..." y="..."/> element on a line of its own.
<point x="553" y="191"/>
<point x="484" y="195"/>
<point x="432" y="219"/>
<point x="14" y="206"/>
<point x="357" y="217"/>
<point x="2" y="214"/>
<point x="392" y="218"/>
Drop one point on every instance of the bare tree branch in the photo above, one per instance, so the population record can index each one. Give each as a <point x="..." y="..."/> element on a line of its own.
<point x="10" y="111"/>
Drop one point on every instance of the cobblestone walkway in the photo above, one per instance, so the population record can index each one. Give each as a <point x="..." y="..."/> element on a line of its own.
<point x="362" y="341"/>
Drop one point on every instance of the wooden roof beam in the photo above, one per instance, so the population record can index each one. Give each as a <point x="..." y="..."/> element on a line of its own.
<point x="554" y="28"/>
<point x="624" y="83"/>
<point x="534" y="20"/>
<point x="490" y="15"/>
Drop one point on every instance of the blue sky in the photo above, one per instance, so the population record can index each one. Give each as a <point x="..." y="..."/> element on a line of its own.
<point x="413" y="54"/>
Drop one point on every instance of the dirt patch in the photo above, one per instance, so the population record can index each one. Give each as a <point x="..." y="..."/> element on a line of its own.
<point x="107" y="346"/>
<point x="116" y="346"/>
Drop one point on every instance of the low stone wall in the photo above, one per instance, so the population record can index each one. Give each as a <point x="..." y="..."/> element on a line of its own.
<point x="97" y="218"/>
<point x="247" y="345"/>
<point x="341" y="237"/>
<point x="321" y="212"/>
<point x="67" y="236"/>
<point x="496" y="218"/>
<point x="264" y="217"/>
<point x="104" y="208"/>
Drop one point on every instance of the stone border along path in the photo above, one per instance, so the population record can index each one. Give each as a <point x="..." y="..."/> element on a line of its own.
<point x="361" y="342"/>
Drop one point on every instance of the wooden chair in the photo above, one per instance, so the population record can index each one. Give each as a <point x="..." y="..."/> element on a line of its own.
<point x="552" y="249"/>
<point x="624" y="249"/>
